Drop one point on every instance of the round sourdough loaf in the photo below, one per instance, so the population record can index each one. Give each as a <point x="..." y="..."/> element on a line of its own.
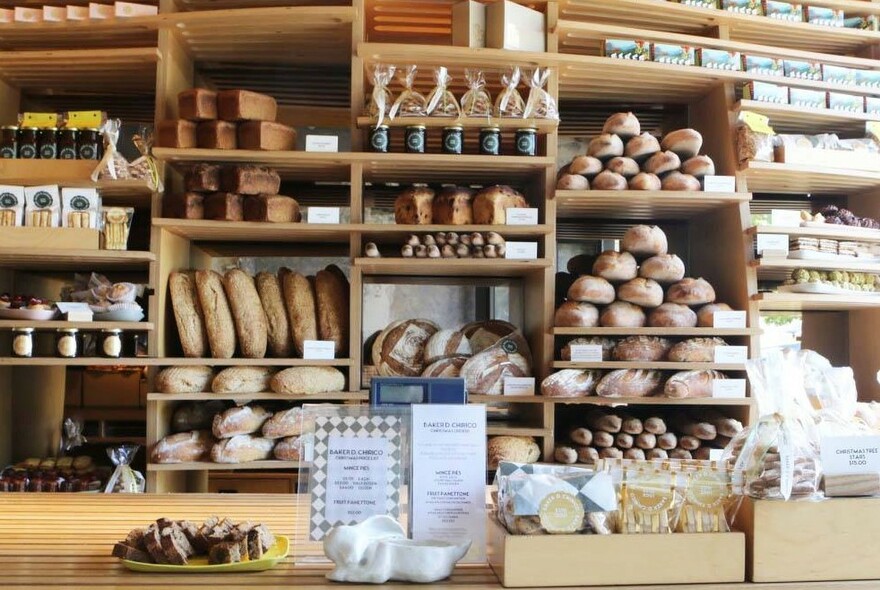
<point x="484" y="373"/>
<point x="663" y="268"/>
<point x="308" y="380"/>
<point x="445" y="344"/>
<point x="641" y="348"/>
<point x="621" y="314"/>
<point x="689" y="291"/>
<point x="706" y="314"/>
<point x="448" y="367"/>
<point x="644" y="240"/>
<point x="686" y="143"/>
<point x="575" y="314"/>
<point x="570" y="383"/>
<point x="592" y="290"/>
<point x="519" y="449"/>
<point x="609" y="181"/>
<point x="615" y="266"/>
<point x="626" y="167"/>
<point x="662" y="163"/>
<point x="607" y="345"/>
<point x="625" y="125"/>
<point x="676" y="181"/>
<point x="645" y="181"/>
<point x="484" y="334"/>
<point x="698" y="166"/>
<point x="572" y="182"/>
<point x="194" y="379"/>
<point x="672" y="315"/>
<point x="642" y="147"/>
<point x="642" y="292"/>
<point x="586" y="166"/>
<point x="605" y="146"/>
<point x="400" y="349"/>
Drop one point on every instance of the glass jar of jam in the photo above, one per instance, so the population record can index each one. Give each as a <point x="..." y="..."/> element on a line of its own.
<point x="47" y="143"/>
<point x="9" y="142"/>
<point x="111" y="343"/>
<point x="379" y="141"/>
<point x="27" y="143"/>
<point x="526" y="141"/>
<point x="67" y="143"/>
<point x="453" y="139"/>
<point x="490" y="141"/>
<point x="67" y="343"/>
<point x="88" y="145"/>
<point x="23" y="342"/>
<point x="415" y="139"/>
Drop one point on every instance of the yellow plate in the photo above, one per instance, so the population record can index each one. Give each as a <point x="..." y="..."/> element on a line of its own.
<point x="199" y="565"/>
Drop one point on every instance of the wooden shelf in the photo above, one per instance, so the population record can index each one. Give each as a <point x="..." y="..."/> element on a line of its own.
<point x="115" y="440"/>
<point x="791" y="119"/>
<point x="243" y="362"/>
<point x="84" y="326"/>
<point x="107" y="414"/>
<point x="30" y="259"/>
<point x="705" y="332"/>
<point x="270" y="395"/>
<point x="830" y="231"/>
<point x="137" y="31"/>
<point x="86" y="361"/>
<point x="780" y="268"/>
<point x="655" y="401"/>
<point x="505" y="399"/>
<point x="659" y="366"/>
<point x="435" y="55"/>
<point x="806" y="302"/>
<point x="642" y="204"/>
<point x="501" y="429"/>
<point x="378" y="231"/>
<point x="469" y="123"/>
<point x="772" y="177"/>
<point x="75" y="173"/>
<point x="252" y="231"/>
<point x="291" y="165"/>
<point x="450" y="267"/>
<point x="207" y="466"/>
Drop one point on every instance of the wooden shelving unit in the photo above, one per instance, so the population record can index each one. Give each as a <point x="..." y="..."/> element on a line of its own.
<point x="704" y="332"/>
<point x="600" y="204"/>
<point x="794" y="119"/>
<point x="774" y="177"/>
<point x="208" y="466"/>
<point x="453" y="267"/>
<point x="30" y="259"/>
<point x="658" y="365"/>
<point x="806" y="302"/>
<point x="58" y="324"/>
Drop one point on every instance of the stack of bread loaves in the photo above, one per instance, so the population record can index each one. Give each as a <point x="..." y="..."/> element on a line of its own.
<point x="623" y="157"/>
<point x="448" y="245"/>
<point x="455" y="205"/>
<point x="218" y="315"/>
<point x="605" y="434"/>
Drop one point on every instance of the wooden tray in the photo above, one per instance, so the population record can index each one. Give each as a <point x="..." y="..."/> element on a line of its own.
<point x="199" y="565"/>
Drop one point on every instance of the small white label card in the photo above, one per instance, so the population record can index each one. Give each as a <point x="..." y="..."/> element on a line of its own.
<point x="517" y="216"/>
<point x="731" y="354"/>
<point x="729" y="319"/>
<point x="322" y="143"/>
<point x="319" y="350"/>
<point x="729" y="388"/>
<point x="521" y="250"/>
<point x="784" y="217"/>
<point x="586" y="353"/>
<point x="719" y="184"/>
<point x="448" y="491"/>
<point x="519" y="386"/>
<point x="715" y="454"/>
<point x="75" y="312"/>
<point x="850" y="455"/>
<point x="772" y="244"/>
<point x="322" y="215"/>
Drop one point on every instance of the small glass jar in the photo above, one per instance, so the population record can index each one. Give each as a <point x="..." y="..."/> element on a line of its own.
<point x="88" y="145"/>
<point x="67" y="343"/>
<point x="9" y="142"/>
<point x="23" y="342"/>
<point x="67" y="143"/>
<point x="526" y="141"/>
<point x="47" y="144"/>
<point x="490" y="141"/>
<point x="27" y="143"/>
<point x="415" y="139"/>
<point x="379" y="141"/>
<point x="453" y="139"/>
<point x="111" y="343"/>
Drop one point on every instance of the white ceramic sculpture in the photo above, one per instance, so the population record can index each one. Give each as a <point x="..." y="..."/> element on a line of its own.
<point x="377" y="550"/>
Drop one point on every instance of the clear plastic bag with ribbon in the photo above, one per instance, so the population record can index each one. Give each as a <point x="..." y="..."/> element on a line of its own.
<point x="73" y="436"/>
<point x="540" y="104"/>
<point x="124" y="480"/>
<point x="380" y="100"/>
<point x="410" y="103"/>
<point x="476" y="102"/>
<point x="509" y="102"/>
<point x="441" y="101"/>
<point x="113" y="165"/>
<point x="145" y="167"/>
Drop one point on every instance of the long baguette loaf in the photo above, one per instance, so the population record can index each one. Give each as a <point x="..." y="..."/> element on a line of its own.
<point x="188" y="315"/>
<point x="299" y="295"/>
<point x="247" y="313"/>
<point x="218" y="317"/>
<point x="278" y="326"/>
<point x="331" y="293"/>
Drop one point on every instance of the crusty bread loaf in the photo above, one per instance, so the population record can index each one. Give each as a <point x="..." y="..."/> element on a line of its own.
<point x="283" y="424"/>
<point x="686" y="143"/>
<point x="689" y="291"/>
<point x="308" y="380"/>
<point x="570" y="383"/>
<point x="663" y="268"/>
<point x="607" y="345"/>
<point x="644" y="241"/>
<point x="247" y="313"/>
<point x="592" y="290"/>
<point x="572" y="182"/>
<point x="400" y="349"/>
<point x="574" y="314"/>
<point x="519" y="449"/>
<point x="453" y="206"/>
<point x="414" y="206"/>
<point x="641" y="348"/>
<point x="642" y="292"/>
<point x="331" y="293"/>
<point x="288" y="449"/>
<point x="484" y="373"/>
<point x="218" y="317"/>
<point x="188" y="315"/>
<point x="242" y="448"/>
<point x="299" y="295"/>
<point x="192" y="379"/>
<point x="695" y="350"/>
<point x="183" y="447"/>
<point x="239" y="420"/>
<point x="491" y="203"/>
<point x="630" y="383"/>
<point x="672" y="315"/>
<point x="706" y="314"/>
<point x="691" y="384"/>
<point x="446" y="344"/>
<point x="483" y="334"/>
<point x="278" y="327"/>
<point x="242" y="380"/>
<point x="615" y="266"/>
<point x="448" y="367"/>
<point x="621" y="314"/>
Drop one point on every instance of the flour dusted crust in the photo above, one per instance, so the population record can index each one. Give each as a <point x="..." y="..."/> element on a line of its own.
<point x="644" y="241"/>
<point x="695" y="350"/>
<point x="642" y="292"/>
<point x="183" y="447"/>
<point x="218" y="317"/>
<point x="284" y="424"/>
<point x="570" y="383"/>
<point x="400" y="349"/>
<point x="299" y="296"/>
<point x="247" y="313"/>
<point x="672" y="315"/>
<point x="194" y="379"/>
<point x="607" y="345"/>
<point x="331" y="292"/>
<point x="490" y="204"/>
<point x="242" y="380"/>
<point x="448" y="367"/>
<point x="484" y="372"/>
<point x="484" y="334"/>
<point x="278" y="326"/>
<point x="641" y="348"/>
<point x="519" y="449"/>
<point x="288" y="449"/>
<point x="575" y="314"/>
<point x="615" y="266"/>
<point x="591" y="289"/>
<point x="663" y="268"/>
<point x="621" y="314"/>
<point x="453" y="206"/>
<point x="445" y="344"/>
<point x="630" y="383"/>
<point x="414" y="206"/>
<point x="188" y="315"/>
<point x="691" y="384"/>
<point x="242" y="448"/>
<point x="308" y="380"/>
<point x="239" y="420"/>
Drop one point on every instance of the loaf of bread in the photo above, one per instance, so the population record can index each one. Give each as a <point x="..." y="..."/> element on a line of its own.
<point x="242" y="448"/>
<point x="218" y="317"/>
<point x="706" y="314"/>
<point x="453" y="206"/>
<point x="484" y="373"/>
<point x="244" y="105"/>
<point x="183" y="447"/>
<point x="184" y="206"/>
<point x="565" y="454"/>
<point x="188" y="315"/>
<point x="586" y="166"/>
<point x="247" y="313"/>
<point x="271" y="208"/>
<point x="414" y="206"/>
<point x="621" y="314"/>
<point x="242" y="380"/>
<point x="607" y="345"/>
<point x="217" y="135"/>
<point x="691" y="384"/>
<point x="624" y="125"/>
<point x="202" y="178"/>
<point x="266" y="136"/>
<point x="642" y="292"/>
<point x="574" y="314"/>
<point x="690" y="291"/>
<point x="288" y="449"/>
<point x="685" y="143"/>
<point x="308" y="381"/>
<point x="445" y="344"/>
<point x="641" y="348"/>
<point x="176" y="133"/>
<point x="663" y="268"/>
<point x="197" y="104"/>
<point x="299" y="296"/>
<point x="279" y="342"/>
<point x="672" y="315"/>
<point x="331" y="293"/>
<point x="448" y="367"/>
<point x="284" y="424"/>
<point x="192" y="379"/>
<point x="570" y="383"/>
<point x="630" y="383"/>
<point x="491" y="203"/>
<point x="573" y="182"/>
<point x="519" y="449"/>
<point x="483" y="334"/>
<point x="695" y="350"/>
<point x="592" y="290"/>
<point x="239" y="420"/>
<point x="400" y="348"/>
<point x="644" y="241"/>
<point x="249" y="180"/>
<point x="615" y="266"/>
<point x="224" y="207"/>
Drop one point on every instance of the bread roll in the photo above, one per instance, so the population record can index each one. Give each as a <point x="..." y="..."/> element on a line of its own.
<point x="626" y="167"/>
<point x="691" y="384"/>
<point x="247" y="313"/>
<point x="663" y="268"/>
<point x="644" y="240"/>
<point x="572" y="182"/>
<point x="519" y="449"/>
<point x="565" y="454"/>
<point x="706" y="314"/>
<point x="586" y="166"/>
<point x="288" y="449"/>
<point x="570" y="383"/>
<point x="284" y="424"/>
<point x="581" y="436"/>
<point x="689" y="291"/>
<point x="400" y="349"/>
<point x="662" y="163"/>
<point x="239" y="420"/>
<point x="448" y="367"/>
<point x="642" y="292"/>
<point x="195" y="379"/>
<point x="605" y="146"/>
<point x="621" y="314"/>
<point x="685" y="143"/>
<point x="609" y="181"/>
<point x="242" y="380"/>
<point x="642" y="147"/>
<point x="629" y="383"/>
<point x="676" y="181"/>
<point x="645" y="181"/>
<point x="695" y="350"/>
<point x="625" y="125"/>
<point x="184" y="447"/>
<point x="445" y="344"/>
<point x="188" y="315"/>
<point x="242" y="449"/>
<point x="615" y="266"/>
<point x="607" y="345"/>
<point x="331" y="293"/>
<point x="575" y="314"/>
<point x="491" y="203"/>
<point x="280" y="343"/>
<point x="698" y="166"/>
<point x="299" y="295"/>
<point x="218" y="317"/>
<point x="308" y="381"/>
<point x="483" y="334"/>
<point x="592" y="290"/>
<point x="641" y="348"/>
<point x="672" y="315"/>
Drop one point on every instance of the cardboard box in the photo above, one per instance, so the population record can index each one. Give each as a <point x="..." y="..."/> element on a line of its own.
<point x="804" y="97"/>
<point x="511" y="26"/>
<point x="719" y="59"/>
<point x="469" y="24"/>
<point x="671" y="53"/>
<point x="524" y="561"/>
<point x="111" y="389"/>
<point x="764" y="92"/>
<point x="783" y="11"/>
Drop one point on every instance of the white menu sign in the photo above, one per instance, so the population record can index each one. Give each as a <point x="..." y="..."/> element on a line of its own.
<point x="448" y="488"/>
<point x="850" y="455"/>
<point x="356" y="478"/>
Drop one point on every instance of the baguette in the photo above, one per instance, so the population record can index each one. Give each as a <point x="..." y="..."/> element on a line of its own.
<point x="278" y="328"/>
<point x="655" y="425"/>
<point x="299" y="295"/>
<point x="565" y="454"/>
<point x="581" y="436"/>
<point x="587" y="454"/>
<point x="331" y="293"/>
<point x="632" y="425"/>
<point x="599" y="420"/>
<point x="623" y="440"/>
<point x="218" y="317"/>
<point x="603" y="439"/>
<point x="634" y="454"/>
<point x="188" y="315"/>
<point x="646" y="441"/>
<point x="247" y="313"/>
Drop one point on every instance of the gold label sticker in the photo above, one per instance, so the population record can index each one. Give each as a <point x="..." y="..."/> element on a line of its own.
<point x="561" y="512"/>
<point x="707" y="490"/>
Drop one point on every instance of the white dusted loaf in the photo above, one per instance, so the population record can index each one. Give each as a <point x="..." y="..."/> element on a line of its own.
<point x="308" y="380"/>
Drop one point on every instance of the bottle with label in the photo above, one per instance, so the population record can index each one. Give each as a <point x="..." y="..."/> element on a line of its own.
<point x="67" y="143"/>
<point x="9" y="142"/>
<point x="27" y="143"/>
<point x="490" y="141"/>
<point x="526" y="141"/>
<point x="88" y="146"/>
<point x="23" y="342"/>
<point x="47" y="143"/>
<point x="379" y="139"/>
<point x="415" y="139"/>
<point x="453" y="139"/>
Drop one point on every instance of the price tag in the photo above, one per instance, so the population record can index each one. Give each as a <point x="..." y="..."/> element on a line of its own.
<point x="75" y="312"/>
<point x="322" y="143"/>
<point x="319" y="350"/>
<point x="586" y="353"/>
<point x="772" y="243"/>
<point x="848" y="455"/>
<point x="715" y="454"/>
<point x="731" y="354"/>
<point x="729" y="319"/>
<point x="521" y="250"/>
<point x="322" y="215"/>
<point x="517" y="216"/>
<point x="729" y="388"/>
<point x="719" y="184"/>
<point x="519" y="386"/>
<point x="785" y="218"/>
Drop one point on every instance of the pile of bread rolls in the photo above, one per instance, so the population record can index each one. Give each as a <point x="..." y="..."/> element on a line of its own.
<point x="269" y="315"/>
<point x="448" y="245"/>
<point x="603" y="433"/>
<point x="623" y="157"/>
<point x="456" y="205"/>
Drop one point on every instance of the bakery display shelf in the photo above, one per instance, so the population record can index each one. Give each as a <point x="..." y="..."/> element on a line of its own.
<point x="291" y="165"/>
<point x="505" y="399"/>
<point x="658" y="365"/>
<point x="245" y="362"/>
<point x="33" y="259"/>
<point x="74" y="173"/>
<point x="341" y="396"/>
<point x="84" y="361"/>
<point x="780" y="268"/>
<point x="654" y="401"/>
<point x="136" y="31"/>
<point x="450" y="267"/>
<point x="785" y="118"/>
<point x="254" y="231"/>
<point x="107" y="414"/>
<point x="505" y="428"/>
<point x="208" y="466"/>
<point x="824" y="230"/>
<point x="504" y="123"/>
<point x="642" y="204"/>
<point x="438" y="55"/>
<point x="195" y="5"/>
<point x="809" y="302"/>
<point x="775" y="177"/>
<point x="117" y="440"/>
<point x="378" y="231"/>
<point x="465" y="168"/>
<point x="84" y="326"/>
<point x="671" y="332"/>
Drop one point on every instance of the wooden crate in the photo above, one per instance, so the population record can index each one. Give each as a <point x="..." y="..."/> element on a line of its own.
<point x="42" y="238"/>
<point x="614" y="560"/>
<point x="812" y="541"/>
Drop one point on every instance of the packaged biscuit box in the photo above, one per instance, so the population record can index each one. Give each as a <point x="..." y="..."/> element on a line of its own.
<point x="719" y="59"/>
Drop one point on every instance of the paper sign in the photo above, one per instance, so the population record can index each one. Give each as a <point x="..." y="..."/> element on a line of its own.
<point x="322" y="215"/>
<point x="519" y="386"/>
<point x="517" y="216"/>
<point x="356" y="476"/>
<point x="849" y="455"/>
<point x="731" y="354"/>
<point x="76" y="312"/>
<point x="729" y="319"/>
<point x="322" y="143"/>
<point x="729" y="388"/>
<point x="316" y="350"/>
<point x="772" y="243"/>
<point x="719" y="184"/>
<point x="715" y="454"/>
<point x="521" y="250"/>
<point x="586" y="353"/>
<point x="785" y="218"/>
